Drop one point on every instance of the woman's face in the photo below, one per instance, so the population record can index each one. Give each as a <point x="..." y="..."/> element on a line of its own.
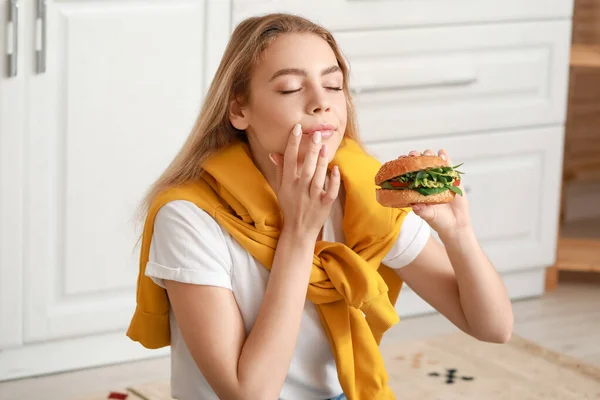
<point x="297" y="80"/>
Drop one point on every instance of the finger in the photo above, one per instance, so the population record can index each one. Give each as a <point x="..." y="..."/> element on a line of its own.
<point x="444" y="155"/>
<point x="414" y="153"/>
<point x="334" y="186"/>
<point x="310" y="160"/>
<point x="318" y="180"/>
<point x="424" y="211"/>
<point x="290" y="159"/>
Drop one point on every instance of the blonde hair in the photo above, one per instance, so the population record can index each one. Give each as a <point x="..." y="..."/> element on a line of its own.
<point x="212" y="129"/>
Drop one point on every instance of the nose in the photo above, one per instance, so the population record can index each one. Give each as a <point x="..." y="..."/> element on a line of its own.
<point x="318" y="102"/>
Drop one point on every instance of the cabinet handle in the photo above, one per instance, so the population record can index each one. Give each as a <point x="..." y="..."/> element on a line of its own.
<point x="449" y="82"/>
<point x="12" y="38"/>
<point x="40" y="37"/>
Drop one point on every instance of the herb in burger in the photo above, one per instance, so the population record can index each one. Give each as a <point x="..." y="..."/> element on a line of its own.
<point x="410" y="180"/>
<point x="427" y="182"/>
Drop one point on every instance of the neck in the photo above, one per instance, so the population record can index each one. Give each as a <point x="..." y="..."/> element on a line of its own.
<point x="267" y="168"/>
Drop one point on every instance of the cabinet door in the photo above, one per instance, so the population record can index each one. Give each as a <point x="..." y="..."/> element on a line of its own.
<point x="348" y="15"/>
<point x="114" y="94"/>
<point x="12" y="102"/>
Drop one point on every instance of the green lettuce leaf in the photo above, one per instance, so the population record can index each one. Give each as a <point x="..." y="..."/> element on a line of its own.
<point x="456" y="190"/>
<point x="429" y="191"/>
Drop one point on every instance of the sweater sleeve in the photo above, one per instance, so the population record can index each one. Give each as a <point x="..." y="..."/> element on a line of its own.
<point x="188" y="246"/>
<point x="414" y="234"/>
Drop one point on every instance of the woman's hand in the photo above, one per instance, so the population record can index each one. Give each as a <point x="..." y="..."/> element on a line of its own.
<point x="303" y="201"/>
<point x="445" y="219"/>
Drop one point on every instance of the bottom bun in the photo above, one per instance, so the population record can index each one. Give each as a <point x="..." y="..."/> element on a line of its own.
<point x="407" y="197"/>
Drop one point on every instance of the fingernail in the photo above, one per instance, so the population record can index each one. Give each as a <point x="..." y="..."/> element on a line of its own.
<point x="443" y="156"/>
<point x="297" y="130"/>
<point x="336" y="170"/>
<point x="316" y="137"/>
<point x="324" y="151"/>
<point x="415" y="207"/>
<point x="272" y="159"/>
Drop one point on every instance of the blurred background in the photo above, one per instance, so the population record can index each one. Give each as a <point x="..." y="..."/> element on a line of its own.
<point x="96" y="97"/>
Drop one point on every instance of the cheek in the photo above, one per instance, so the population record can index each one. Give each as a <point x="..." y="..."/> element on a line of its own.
<point x="341" y="111"/>
<point x="265" y="122"/>
<point x="272" y="125"/>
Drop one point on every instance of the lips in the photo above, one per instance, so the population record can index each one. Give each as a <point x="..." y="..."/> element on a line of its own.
<point x="326" y="130"/>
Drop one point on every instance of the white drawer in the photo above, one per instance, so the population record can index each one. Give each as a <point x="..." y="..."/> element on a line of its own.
<point x="346" y="15"/>
<point x="512" y="180"/>
<point x="432" y="81"/>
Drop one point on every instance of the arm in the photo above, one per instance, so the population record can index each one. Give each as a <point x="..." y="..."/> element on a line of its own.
<point x="255" y="367"/>
<point x="458" y="279"/>
<point x="460" y="282"/>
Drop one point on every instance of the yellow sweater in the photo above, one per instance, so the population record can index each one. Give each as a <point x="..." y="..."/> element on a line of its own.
<point x="347" y="280"/>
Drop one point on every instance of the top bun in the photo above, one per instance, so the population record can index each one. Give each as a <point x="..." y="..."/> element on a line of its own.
<point x="405" y="164"/>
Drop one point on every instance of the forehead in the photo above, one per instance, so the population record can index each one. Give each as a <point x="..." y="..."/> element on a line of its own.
<point x="292" y="50"/>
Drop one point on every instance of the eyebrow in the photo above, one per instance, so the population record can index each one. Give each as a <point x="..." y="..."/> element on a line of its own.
<point x="302" y="72"/>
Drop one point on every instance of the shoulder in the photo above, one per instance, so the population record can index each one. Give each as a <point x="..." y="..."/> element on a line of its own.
<point x="188" y="245"/>
<point x="180" y="216"/>
<point x="184" y="221"/>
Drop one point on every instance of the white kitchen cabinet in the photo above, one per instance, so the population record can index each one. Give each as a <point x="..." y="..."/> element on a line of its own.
<point x="358" y="15"/>
<point x="89" y="121"/>
<point x="12" y="129"/>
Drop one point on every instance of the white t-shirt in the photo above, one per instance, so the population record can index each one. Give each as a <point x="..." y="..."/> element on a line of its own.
<point x="189" y="246"/>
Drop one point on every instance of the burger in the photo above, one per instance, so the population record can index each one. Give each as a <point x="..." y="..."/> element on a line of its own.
<point x="423" y="179"/>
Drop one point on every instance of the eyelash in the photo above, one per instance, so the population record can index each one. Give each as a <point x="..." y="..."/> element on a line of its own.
<point x="337" y="89"/>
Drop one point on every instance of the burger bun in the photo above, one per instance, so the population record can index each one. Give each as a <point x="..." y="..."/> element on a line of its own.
<point x="407" y="197"/>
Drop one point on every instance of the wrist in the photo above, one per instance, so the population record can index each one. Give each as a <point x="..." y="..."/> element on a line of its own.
<point x="456" y="236"/>
<point x="295" y="251"/>
<point x="298" y="237"/>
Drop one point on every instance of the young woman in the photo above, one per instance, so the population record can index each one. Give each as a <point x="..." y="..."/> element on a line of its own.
<point x="267" y="264"/>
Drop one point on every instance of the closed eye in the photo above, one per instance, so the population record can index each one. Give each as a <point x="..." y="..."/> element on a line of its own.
<point x="289" y="91"/>
<point x="297" y="90"/>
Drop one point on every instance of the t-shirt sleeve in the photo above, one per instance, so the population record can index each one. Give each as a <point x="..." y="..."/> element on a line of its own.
<point x="188" y="246"/>
<point x="413" y="236"/>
